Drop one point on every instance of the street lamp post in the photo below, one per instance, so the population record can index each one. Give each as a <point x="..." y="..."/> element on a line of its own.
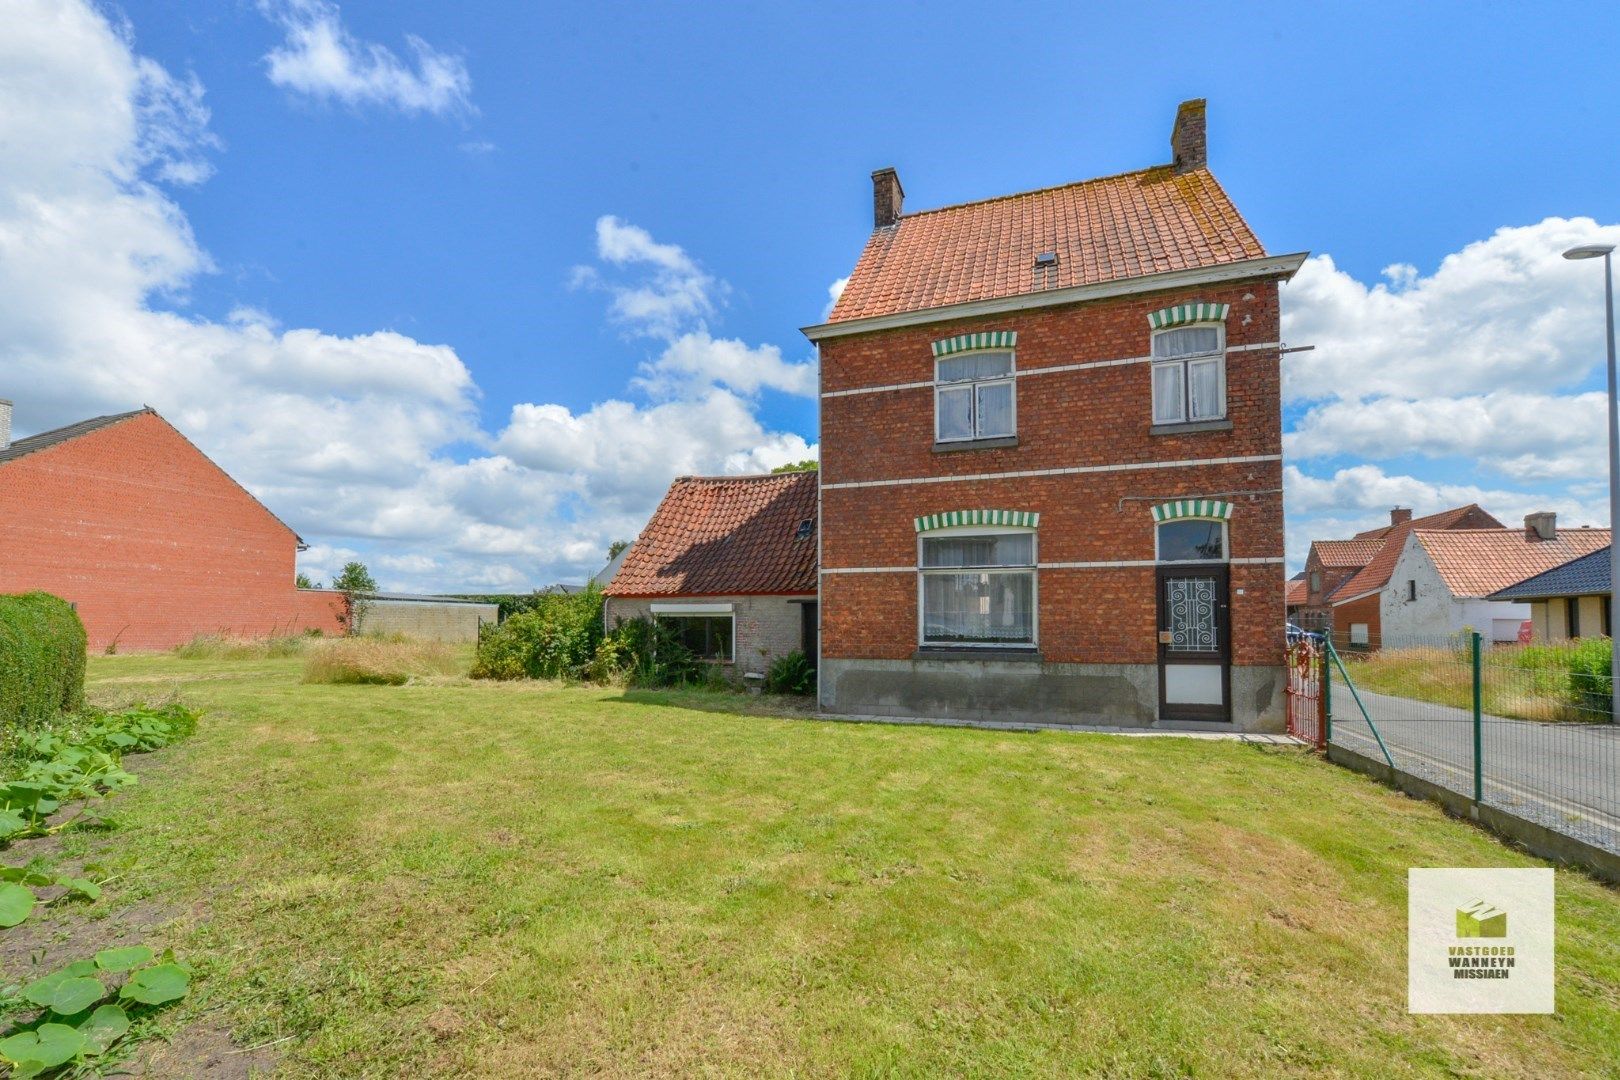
<point x="1593" y="251"/>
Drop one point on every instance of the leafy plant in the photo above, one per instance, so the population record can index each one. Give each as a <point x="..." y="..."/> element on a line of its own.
<point x="356" y="584"/>
<point x="81" y="1016"/>
<point x="557" y="638"/>
<point x="791" y="674"/>
<point x="1591" y="681"/>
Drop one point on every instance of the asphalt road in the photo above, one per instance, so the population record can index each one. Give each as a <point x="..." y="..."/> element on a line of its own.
<point x="1558" y="774"/>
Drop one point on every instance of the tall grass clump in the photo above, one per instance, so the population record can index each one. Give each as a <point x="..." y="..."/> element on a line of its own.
<point x="378" y="661"/>
<point x="227" y="647"/>
<point x="42" y="655"/>
<point x="1591" y="682"/>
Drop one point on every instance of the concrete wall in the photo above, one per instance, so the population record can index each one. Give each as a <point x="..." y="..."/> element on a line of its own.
<point x="428" y="620"/>
<point x="1031" y="692"/>
<point x="767" y="627"/>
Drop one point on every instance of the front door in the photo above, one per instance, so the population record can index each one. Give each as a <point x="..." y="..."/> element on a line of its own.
<point x="1195" y="643"/>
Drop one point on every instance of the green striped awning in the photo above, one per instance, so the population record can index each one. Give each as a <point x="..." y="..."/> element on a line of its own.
<point x="1193" y="508"/>
<point x="988" y="339"/>
<point x="1023" y="519"/>
<point x="1185" y="313"/>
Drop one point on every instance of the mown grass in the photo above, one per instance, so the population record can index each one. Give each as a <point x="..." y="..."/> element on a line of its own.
<point x="474" y="879"/>
<point x="1521" y="682"/>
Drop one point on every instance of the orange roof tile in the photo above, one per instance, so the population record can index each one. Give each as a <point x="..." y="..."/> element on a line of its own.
<point x="1296" y="592"/>
<point x="1147" y="222"/>
<point x="1478" y="562"/>
<point x="1346" y="554"/>
<point x="1375" y="575"/>
<point x="726" y="535"/>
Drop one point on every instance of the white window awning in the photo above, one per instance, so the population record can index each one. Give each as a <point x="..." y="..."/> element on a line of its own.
<point x="693" y="609"/>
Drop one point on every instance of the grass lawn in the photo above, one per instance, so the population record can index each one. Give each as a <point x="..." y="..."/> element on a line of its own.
<point x="460" y="879"/>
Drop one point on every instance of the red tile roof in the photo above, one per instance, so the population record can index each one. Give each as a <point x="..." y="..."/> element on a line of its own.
<point x="1375" y="575"/>
<point x="1346" y="554"/>
<point x="726" y="536"/>
<point x="1478" y="562"/>
<point x="1296" y="592"/>
<point x="1148" y="222"/>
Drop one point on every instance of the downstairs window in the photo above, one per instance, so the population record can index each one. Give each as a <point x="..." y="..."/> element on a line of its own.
<point x="708" y="637"/>
<point x="978" y="589"/>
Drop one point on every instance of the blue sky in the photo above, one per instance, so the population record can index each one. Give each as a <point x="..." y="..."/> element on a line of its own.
<point x="460" y="214"/>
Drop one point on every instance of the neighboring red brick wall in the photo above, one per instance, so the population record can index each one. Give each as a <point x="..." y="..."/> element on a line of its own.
<point x="1094" y="416"/>
<point x="1364" y="610"/>
<point x="150" y="540"/>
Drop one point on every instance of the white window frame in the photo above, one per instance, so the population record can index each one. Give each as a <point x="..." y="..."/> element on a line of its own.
<point x="1011" y="379"/>
<point x="1034" y="592"/>
<point x="1226" y="541"/>
<point x="1184" y="363"/>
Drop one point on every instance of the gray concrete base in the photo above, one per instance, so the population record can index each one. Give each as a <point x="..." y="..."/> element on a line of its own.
<point x="1047" y="695"/>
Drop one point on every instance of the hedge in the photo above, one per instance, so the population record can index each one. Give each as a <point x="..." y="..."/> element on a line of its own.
<point x="42" y="650"/>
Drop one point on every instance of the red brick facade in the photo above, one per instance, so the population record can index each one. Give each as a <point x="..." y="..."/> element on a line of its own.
<point x="151" y="541"/>
<point x="1087" y="418"/>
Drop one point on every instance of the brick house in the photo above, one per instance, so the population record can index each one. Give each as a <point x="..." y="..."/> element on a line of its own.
<point x="150" y="540"/>
<point x="729" y="563"/>
<point x="1350" y="605"/>
<point x="1051" y="457"/>
<point x="1449" y="580"/>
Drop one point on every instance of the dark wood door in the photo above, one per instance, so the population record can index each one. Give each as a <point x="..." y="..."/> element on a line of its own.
<point x="1195" y="642"/>
<point x="810" y="614"/>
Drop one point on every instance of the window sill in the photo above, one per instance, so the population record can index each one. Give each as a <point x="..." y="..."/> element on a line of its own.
<point x="985" y="652"/>
<point x="1190" y="427"/>
<point x="999" y="443"/>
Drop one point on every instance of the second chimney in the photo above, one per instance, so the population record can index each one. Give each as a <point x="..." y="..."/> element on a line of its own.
<point x="1400" y="515"/>
<point x="887" y="196"/>
<point x="5" y="423"/>
<point x="1187" y="137"/>
<point x="1543" y="525"/>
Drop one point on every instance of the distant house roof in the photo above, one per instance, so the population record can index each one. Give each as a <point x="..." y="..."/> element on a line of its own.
<point x="1139" y="223"/>
<point x="726" y="535"/>
<point x="57" y="436"/>
<point x="1375" y="575"/>
<point x="1297" y="590"/>
<point x="603" y="576"/>
<point x="1346" y="554"/>
<point x="1587" y="575"/>
<point x="1479" y="562"/>
<point x="46" y="439"/>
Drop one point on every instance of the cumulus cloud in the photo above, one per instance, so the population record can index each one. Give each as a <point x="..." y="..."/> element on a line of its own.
<point x="666" y="293"/>
<point x="347" y="438"/>
<point x="321" y="59"/>
<point x="834" y="291"/>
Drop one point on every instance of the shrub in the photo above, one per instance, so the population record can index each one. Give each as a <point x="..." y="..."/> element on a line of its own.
<point x="557" y="638"/>
<point x="1590" y="681"/>
<point x="378" y="661"/>
<point x="42" y="653"/>
<point x="791" y="674"/>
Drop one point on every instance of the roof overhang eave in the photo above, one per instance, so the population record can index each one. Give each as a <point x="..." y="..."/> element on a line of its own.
<point x="1271" y="266"/>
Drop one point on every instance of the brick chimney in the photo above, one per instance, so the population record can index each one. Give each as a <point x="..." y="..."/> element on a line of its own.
<point x="1187" y="137"/>
<point x="1543" y="525"/>
<point x="5" y="423"/>
<point x="1399" y="515"/>
<point x="887" y="195"/>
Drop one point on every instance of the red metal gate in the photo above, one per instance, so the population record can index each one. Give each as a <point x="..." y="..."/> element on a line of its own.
<point x="1306" y="707"/>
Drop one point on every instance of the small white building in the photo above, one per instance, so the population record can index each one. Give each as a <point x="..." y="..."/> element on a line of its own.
<point x="1443" y="580"/>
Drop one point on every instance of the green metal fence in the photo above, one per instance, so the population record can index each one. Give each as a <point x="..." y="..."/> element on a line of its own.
<point x="1525" y="729"/>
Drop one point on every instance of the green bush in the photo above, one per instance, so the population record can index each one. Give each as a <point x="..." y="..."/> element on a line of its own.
<point x="1590" y="682"/>
<point x="42" y="650"/>
<point x="791" y="674"/>
<point x="557" y="638"/>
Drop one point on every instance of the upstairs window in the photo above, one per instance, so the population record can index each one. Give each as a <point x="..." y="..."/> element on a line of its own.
<point x="1316" y="581"/>
<point x="1189" y="374"/>
<point x="974" y="397"/>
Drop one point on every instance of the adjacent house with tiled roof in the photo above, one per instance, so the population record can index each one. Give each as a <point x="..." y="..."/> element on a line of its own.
<point x="729" y="563"/>
<point x="1446" y="580"/>
<point x="1051" y="457"/>
<point x="149" y="539"/>
<point x="1572" y="600"/>
<point x="1347" y="577"/>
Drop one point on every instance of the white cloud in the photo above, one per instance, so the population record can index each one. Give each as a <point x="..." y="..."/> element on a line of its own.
<point x="345" y="438"/>
<point x="670" y="292"/>
<point x="322" y="60"/>
<point x="834" y="291"/>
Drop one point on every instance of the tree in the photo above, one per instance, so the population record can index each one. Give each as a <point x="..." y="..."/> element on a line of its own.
<point x="616" y="547"/>
<point x="304" y="581"/>
<point x="807" y="465"/>
<point x="356" y="584"/>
